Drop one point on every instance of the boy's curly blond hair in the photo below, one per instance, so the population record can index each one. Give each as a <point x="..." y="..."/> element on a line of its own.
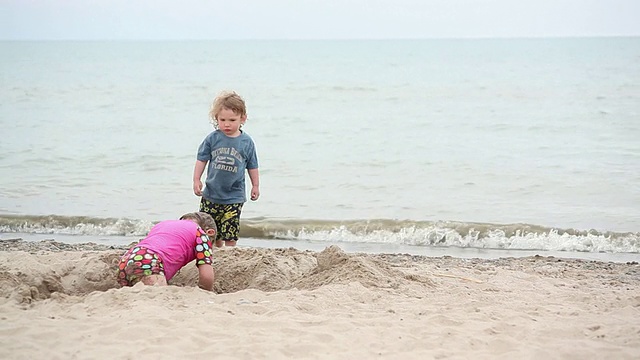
<point x="230" y="100"/>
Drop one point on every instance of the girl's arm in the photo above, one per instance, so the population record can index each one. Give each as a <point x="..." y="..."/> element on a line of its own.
<point x="206" y="276"/>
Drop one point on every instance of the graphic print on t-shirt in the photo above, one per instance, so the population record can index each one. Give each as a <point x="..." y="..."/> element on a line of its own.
<point x="225" y="159"/>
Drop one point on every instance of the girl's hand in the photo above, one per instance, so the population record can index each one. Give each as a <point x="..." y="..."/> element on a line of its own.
<point x="255" y="192"/>
<point x="197" y="187"/>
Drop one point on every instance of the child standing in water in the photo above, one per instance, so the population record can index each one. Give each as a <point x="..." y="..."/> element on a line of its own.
<point x="170" y="245"/>
<point x="229" y="152"/>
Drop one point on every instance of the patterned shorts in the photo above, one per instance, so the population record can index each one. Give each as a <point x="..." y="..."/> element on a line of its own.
<point x="227" y="217"/>
<point x="136" y="263"/>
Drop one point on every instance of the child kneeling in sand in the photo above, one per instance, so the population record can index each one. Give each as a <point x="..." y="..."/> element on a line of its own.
<point x="170" y="245"/>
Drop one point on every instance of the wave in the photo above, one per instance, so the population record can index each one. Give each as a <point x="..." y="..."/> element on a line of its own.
<point x="73" y="225"/>
<point x="384" y="231"/>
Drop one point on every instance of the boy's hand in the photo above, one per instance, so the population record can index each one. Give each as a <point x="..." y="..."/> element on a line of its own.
<point x="197" y="187"/>
<point x="255" y="192"/>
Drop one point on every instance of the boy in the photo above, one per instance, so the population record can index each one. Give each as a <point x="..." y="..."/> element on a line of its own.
<point x="229" y="151"/>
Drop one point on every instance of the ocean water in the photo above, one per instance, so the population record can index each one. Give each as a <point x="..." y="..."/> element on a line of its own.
<point x="485" y="146"/>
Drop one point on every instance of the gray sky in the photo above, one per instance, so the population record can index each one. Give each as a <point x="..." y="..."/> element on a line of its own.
<point x="315" y="19"/>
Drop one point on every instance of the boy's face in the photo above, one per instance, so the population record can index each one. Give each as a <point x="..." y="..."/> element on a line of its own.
<point x="229" y="122"/>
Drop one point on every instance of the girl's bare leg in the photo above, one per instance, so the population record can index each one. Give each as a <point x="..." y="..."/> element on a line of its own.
<point x="154" y="280"/>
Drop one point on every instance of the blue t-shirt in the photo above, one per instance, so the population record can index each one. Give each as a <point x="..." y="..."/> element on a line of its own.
<point x="229" y="158"/>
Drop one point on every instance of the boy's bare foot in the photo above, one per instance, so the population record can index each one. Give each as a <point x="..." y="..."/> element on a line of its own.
<point x="225" y="243"/>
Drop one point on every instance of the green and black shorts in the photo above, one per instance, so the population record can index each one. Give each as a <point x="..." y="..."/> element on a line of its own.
<point x="227" y="217"/>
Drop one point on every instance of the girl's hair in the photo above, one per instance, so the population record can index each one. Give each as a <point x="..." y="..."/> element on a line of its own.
<point x="203" y="219"/>
<point x="227" y="100"/>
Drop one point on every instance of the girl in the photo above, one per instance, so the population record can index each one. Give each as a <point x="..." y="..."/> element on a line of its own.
<point x="170" y="245"/>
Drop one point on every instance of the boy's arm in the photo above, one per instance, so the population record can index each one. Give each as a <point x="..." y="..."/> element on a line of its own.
<point x="197" y="174"/>
<point x="254" y="175"/>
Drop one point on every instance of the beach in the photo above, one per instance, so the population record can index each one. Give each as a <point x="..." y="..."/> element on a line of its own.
<point x="61" y="301"/>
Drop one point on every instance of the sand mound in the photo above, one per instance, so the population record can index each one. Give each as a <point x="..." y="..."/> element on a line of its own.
<point x="282" y="269"/>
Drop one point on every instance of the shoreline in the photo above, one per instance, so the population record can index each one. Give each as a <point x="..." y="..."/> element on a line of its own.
<point x="123" y="242"/>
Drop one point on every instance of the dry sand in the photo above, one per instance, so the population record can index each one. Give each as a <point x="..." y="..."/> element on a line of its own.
<point x="61" y="301"/>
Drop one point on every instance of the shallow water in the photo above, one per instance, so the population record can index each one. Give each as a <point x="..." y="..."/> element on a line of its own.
<point x="539" y="132"/>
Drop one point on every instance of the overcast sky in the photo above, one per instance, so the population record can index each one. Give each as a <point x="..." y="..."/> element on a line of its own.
<point x="315" y="19"/>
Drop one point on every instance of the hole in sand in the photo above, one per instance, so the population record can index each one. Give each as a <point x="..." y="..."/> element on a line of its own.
<point x="42" y="271"/>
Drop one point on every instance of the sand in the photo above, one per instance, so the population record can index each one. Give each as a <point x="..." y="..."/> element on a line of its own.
<point x="61" y="301"/>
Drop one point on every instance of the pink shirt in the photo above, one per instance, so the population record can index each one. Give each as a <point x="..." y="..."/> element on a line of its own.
<point x="175" y="241"/>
